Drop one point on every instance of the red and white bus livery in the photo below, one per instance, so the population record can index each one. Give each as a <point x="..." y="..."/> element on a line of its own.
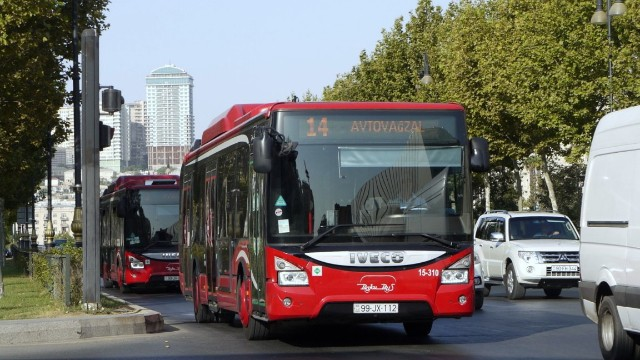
<point x="330" y="212"/>
<point x="138" y="230"/>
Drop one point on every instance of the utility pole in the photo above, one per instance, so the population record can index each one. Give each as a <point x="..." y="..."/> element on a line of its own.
<point x="90" y="172"/>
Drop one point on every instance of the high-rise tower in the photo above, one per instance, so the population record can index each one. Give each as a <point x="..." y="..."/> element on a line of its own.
<point x="170" y="127"/>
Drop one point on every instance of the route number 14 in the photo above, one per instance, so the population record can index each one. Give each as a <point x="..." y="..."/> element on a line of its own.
<point x="323" y="127"/>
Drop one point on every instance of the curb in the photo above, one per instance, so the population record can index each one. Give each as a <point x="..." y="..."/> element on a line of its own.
<point x="141" y="321"/>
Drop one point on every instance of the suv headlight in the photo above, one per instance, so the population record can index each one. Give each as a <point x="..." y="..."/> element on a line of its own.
<point x="458" y="272"/>
<point x="530" y="257"/>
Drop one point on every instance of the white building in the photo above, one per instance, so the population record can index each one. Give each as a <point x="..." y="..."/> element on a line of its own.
<point x="170" y="130"/>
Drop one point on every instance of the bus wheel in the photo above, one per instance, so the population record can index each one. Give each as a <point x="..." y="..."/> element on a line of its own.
<point x="418" y="329"/>
<point x="615" y="342"/>
<point x="253" y="329"/>
<point x="200" y="310"/>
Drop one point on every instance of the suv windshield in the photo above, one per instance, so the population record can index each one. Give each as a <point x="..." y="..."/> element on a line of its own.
<point x="375" y="188"/>
<point x="541" y="228"/>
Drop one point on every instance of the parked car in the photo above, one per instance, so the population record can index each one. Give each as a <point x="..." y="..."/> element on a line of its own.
<point x="8" y="254"/>
<point x="58" y="242"/>
<point x="523" y="250"/>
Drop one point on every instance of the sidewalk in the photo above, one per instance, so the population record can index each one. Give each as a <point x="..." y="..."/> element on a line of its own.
<point x="139" y="321"/>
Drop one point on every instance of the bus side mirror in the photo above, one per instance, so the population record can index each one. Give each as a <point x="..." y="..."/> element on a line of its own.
<point x="121" y="209"/>
<point x="479" y="160"/>
<point x="262" y="151"/>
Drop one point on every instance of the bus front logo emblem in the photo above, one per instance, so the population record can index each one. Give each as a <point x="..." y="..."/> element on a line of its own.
<point x="383" y="283"/>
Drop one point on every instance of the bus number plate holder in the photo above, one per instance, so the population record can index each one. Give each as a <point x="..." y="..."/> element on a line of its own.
<point x="375" y="308"/>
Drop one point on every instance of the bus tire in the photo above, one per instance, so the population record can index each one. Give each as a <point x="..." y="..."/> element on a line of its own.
<point x="615" y="342"/>
<point x="418" y="328"/>
<point x="253" y="329"/>
<point x="200" y="311"/>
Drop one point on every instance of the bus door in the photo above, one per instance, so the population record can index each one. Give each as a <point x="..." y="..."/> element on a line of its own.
<point x="185" y="246"/>
<point x="209" y="219"/>
<point x="222" y="244"/>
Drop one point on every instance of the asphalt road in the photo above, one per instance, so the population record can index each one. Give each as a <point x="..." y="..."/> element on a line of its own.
<point x="531" y="328"/>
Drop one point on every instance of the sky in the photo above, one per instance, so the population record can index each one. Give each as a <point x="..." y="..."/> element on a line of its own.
<point x="242" y="51"/>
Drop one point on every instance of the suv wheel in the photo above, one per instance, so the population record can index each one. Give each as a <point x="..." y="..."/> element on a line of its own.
<point x="514" y="289"/>
<point x="552" y="292"/>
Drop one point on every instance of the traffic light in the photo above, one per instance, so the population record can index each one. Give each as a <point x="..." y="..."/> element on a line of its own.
<point x="106" y="134"/>
<point x="112" y="100"/>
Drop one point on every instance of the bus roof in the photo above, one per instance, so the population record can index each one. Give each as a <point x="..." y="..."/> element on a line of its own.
<point x="238" y="114"/>
<point x="141" y="181"/>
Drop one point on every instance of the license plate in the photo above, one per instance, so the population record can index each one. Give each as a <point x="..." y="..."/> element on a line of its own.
<point x="170" y="278"/>
<point x="375" y="308"/>
<point x="564" y="268"/>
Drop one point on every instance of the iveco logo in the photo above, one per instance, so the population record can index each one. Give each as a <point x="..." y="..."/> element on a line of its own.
<point x="169" y="255"/>
<point x="376" y="257"/>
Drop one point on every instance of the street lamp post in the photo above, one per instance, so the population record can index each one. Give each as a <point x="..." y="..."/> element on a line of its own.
<point x="601" y="18"/>
<point x="49" y="232"/>
<point x="76" y="224"/>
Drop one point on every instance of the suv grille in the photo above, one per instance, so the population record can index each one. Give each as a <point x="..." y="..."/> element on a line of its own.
<point x="559" y="257"/>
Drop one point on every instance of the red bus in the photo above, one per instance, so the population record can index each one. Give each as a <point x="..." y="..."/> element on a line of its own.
<point x="330" y="212"/>
<point x="138" y="230"/>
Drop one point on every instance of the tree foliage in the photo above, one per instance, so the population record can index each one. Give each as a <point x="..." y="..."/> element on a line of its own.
<point x="36" y="51"/>
<point x="532" y="75"/>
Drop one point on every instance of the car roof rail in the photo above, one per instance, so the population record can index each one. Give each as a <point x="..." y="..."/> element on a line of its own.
<point x="497" y="211"/>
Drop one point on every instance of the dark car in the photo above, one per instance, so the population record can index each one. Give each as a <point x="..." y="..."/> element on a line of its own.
<point x="58" y="242"/>
<point x="8" y="254"/>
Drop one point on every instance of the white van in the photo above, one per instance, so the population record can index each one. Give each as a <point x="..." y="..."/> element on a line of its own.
<point x="610" y="234"/>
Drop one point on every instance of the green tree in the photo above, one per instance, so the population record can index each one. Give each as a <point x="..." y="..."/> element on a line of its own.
<point x="36" y="52"/>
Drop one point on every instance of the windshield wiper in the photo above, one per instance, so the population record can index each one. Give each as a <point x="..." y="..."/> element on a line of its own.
<point x="437" y="239"/>
<point x="316" y="239"/>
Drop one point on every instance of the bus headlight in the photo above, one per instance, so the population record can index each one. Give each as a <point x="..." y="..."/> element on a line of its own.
<point x="290" y="274"/>
<point x="135" y="263"/>
<point x="458" y="272"/>
<point x="293" y="278"/>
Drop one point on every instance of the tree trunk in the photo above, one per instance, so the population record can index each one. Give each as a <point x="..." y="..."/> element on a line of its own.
<point x="2" y="241"/>
<point x="549" y="183"/>
<point x="487" y="193"/>
<point x="518" y="178"/>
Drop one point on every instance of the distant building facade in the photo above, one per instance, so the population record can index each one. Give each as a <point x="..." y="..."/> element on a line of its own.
<point x="137" y="134"/>
<point x="170" y="126"/>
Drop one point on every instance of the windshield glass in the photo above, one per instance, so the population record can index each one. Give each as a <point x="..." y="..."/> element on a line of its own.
<point x="151" y="219"/>
<point x="373" y="187"/>
<point x="538" y="227"/>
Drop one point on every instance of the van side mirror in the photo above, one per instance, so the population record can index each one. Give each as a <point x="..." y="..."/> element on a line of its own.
<point x="262" y="147"/>
<point x="479" y="159"/>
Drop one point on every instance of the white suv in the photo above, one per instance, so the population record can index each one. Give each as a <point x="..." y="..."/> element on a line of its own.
<point x="527" y="250"/>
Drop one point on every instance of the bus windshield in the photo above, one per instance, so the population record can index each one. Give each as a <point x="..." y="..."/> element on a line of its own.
<point x="374" y="177"/>
<point x="151" y="219"/>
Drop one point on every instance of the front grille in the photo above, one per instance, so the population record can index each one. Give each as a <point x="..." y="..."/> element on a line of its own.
<point x="562" y="273"/>
<point x="560" y="257"/>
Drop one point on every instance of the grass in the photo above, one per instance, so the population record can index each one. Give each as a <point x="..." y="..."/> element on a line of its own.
<point x="25" y="298"/>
